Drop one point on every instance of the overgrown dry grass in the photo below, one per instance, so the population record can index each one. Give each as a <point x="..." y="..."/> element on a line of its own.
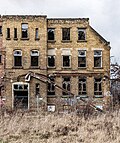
<point x="60" y="128"/>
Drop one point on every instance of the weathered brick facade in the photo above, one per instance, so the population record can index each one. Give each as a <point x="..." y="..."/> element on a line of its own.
<point x="62" y="49"/>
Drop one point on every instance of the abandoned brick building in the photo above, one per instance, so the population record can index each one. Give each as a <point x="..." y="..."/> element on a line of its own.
<point x="68" y="51"/>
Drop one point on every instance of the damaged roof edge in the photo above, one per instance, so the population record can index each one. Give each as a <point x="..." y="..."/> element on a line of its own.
<point x="103" y="39"/>
<point x="5" y="16"/>
<point x="87" y="19"/>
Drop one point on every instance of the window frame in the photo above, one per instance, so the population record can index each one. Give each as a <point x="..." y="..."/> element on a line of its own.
<point x="51" y="53"/>
<point x="15" y="33"/>
<point x="51" y="90"/>
<point x="17" y="55"/>
<point x="67" y="86"/>
<point x="33" y="55"/>
<point x="98" y="56"/>
<point x="82" y="56"/>
<point x="24" y="29"/>
<point x="84" y="31"/>
<point x="82" y="91"/>
<point x="8" y="33"/>
<point x="0" y="58"/>
<point x="64" y="34"/>
<point x="0" y="30"/>
<point x="99" y="85"/>
<point x="36" y="33"/>
<point x="48" y="36"/>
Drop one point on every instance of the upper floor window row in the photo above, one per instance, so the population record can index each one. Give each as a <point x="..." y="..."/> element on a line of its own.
<point x="24" y="32"/>
<point x="81" y="32"/>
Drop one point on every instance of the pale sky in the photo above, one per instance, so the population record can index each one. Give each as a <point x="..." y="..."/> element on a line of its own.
<point x="104" y="15"/>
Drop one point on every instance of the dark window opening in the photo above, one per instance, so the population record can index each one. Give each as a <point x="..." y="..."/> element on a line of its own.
<point x="36" y="34"/>
<point x="66" y="85"/>
<point x="81" y="58"/>
<point x="0" y="29"/>
<point x="51" y="61"/>
<point x="81" y="34"/>
<point x="82" y="86"/>
<point x="15" y="33"/>
<point x="51" y="86"/>
<point x="34" y="58"/>
<point x="17" y="58"/>
<point x="20" y="96"/>
<point x="0" y="58"/>
<point x="37" y="89"/>
<point x="66" y="61"/>
<point x="51" y="34"/>
<point x="8" y="32"/>
<point x="97" y="58"/>
<point x="24" y="30"/>
<point x="65" y="33"/>
<point x="97" y="86"/>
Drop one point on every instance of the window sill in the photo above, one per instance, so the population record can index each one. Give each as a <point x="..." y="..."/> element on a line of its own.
<point x="66" y="67"/>
<point x="98" y="67"/>
<point x="34" y="67"/>
<point x="81" y="96"/>
<point x="51" y="67"/>
<point x="81" y="41"/>
<point x="51" y="96"/>
<point x="37" y="39"/>
<point x="51" y="41"/>
<point x="98" y="96"/>
<point x="16" y="39"/>
<point x="82" y="68"/>
<point x="66" y="96"/>
<point x="8" y="38"/>
<point x="17" y="67"/>
<point x="66" y="41"/>
<point x="24" y="38"/>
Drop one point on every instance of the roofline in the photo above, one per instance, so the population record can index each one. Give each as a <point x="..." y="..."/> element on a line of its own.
<point x="5" y="16"/>
<point x="103" y="39"/>
<point x="87" y="19"/>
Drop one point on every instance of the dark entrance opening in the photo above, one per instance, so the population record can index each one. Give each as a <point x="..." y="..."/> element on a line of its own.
<point x="20" y="96"/>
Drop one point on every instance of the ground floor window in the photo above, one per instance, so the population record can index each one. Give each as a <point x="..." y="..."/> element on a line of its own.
<point x="66" y="85"/>
<point x="20" y="95"/>
<point x="51" y="87"/>
<point x="82" y="86"/>
<point x="97" y="86"/>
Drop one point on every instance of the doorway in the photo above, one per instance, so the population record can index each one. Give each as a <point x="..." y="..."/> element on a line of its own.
<point x="20" y="95"/>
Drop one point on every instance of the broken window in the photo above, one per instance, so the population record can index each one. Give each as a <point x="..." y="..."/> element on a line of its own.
<point x="0" y="29"/>
<point x="20" y="98"/>
<point x="66" y="57"/>
<point x="36" y="34"/>
<point x="98" y="58"/>
<point x="66" y="85"/>
<point x="24" y="30"/>
<point x="97" y="86"/>
<point x="81" y="34"/>
<point x="37" y="89"/>
<point x="0" y="58"/>
<point x="82" y="86"/>
<point x="81" y="58"/>
<point x="34" y="57"/>
<point x="8" y="33"/>
<point x="15" y="33"/>
<point x="65" y="33"/>
<point x="51" y="33"/>
<point x="51" y="87"/>
<point x="17" y="58"/>
<point x="51" y="57"/>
